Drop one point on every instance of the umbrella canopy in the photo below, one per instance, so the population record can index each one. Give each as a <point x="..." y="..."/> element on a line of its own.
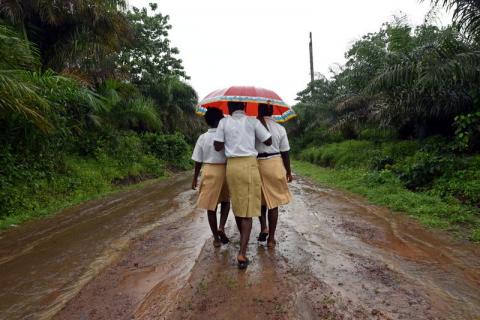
<point x="252" y="96"/>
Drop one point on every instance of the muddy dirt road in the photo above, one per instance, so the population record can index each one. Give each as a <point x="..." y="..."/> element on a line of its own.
<point x="147" y="254"/>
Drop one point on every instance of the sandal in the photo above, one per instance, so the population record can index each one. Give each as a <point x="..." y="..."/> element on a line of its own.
<point x="217" y="243"/>
<point x="223" y="237"/>
<point x="262" y="237"/>
<point x="242" y="265"/>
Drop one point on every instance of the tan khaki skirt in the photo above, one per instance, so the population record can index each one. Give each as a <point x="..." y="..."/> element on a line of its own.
<point x="274" y="182"/>
<point x="213" y="187"/>
<point x="244" y="184"/>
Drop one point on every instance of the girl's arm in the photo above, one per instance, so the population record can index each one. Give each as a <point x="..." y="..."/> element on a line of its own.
<point x="286" y="164"/>
<point x="198" y="166"/>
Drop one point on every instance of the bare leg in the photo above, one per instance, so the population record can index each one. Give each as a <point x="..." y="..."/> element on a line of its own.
<point x="212" y="221"/>
<point x="238" y="221"/>
<point x="224" y="210"/>
<point x="272" y="226"/>
<point x="246" y="228"/>
<point x="263" y="220"/>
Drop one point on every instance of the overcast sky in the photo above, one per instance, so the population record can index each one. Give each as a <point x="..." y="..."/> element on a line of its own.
<point x="265" y="42"/>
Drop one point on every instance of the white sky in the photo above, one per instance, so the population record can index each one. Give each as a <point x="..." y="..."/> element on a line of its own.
<point x="265" y="42"/>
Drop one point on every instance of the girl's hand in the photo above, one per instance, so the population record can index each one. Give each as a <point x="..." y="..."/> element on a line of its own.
<point x="289" y="177"/>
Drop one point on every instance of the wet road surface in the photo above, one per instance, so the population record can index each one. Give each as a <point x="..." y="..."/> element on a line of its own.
<point x="147" y="254"/>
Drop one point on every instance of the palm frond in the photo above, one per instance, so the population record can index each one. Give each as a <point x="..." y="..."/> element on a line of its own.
<point x="137" y="112"/>
<point x="21" y="97"/>
<point x="465" y="12"/>
<point x="401" y="74"/>
<point x="16" y="52"/>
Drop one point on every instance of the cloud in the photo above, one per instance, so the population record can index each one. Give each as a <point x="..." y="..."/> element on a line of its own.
<point x="265" y="42"/>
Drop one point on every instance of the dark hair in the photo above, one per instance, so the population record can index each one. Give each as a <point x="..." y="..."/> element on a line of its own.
<point x="213" y="117"/>
<point x="265" y="110"/>
<point x="235" y="106"/>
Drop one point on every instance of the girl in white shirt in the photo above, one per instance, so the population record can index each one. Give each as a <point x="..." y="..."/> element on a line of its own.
<point x="213" y="187"/>
<point x="237" y="134"/>
<point x="275" y="172"/>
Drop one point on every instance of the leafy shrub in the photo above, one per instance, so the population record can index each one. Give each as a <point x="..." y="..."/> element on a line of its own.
<point x="382" y="162"/>
<point x="153" y="165"/>
<point x="419" y="170"/>
<point x="475" y="235"/>
<point x="126" y="147"/>
<point x="374" y="134"/>
<point x="398" y="150"/>
<point x="350" y="153"/>
<point x="467" y="131"/>
<point x="172" y="148"/>
<point x="463" y="182"/>
<point x="437" y="145"/>
<point x="317" y="136"/>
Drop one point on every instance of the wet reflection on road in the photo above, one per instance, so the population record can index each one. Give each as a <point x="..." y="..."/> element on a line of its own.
<point x="150" y="256"/>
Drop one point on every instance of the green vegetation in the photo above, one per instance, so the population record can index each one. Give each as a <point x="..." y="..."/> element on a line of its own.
<point x="82" y="179"/>
<point x="92" y="97"/>
<point x="400" y="122"/>
<point x="387" y="190"/>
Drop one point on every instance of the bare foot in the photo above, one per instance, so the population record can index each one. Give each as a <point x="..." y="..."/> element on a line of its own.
<point x="217" y="243"/>
<point x="271" y="243"/>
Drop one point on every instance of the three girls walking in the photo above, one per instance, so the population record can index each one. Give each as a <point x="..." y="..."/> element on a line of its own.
<point x="255" y="175"/>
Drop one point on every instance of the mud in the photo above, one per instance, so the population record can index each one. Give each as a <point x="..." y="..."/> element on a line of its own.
<point x="148" y="255"/>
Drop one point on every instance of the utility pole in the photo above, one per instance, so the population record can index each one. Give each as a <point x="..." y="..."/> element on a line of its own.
<point x="311" y="61"/>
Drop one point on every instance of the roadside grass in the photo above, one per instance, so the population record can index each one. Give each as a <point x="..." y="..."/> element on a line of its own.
<point x="81" y="180"/>
<point x="383" y="188"/>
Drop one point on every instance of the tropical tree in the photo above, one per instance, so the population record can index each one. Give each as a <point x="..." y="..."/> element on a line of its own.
<point x="176" y="102"/>
<point x="150" y="56"/>
<point x="428" y="77"/>
<point x="127" y="108"/>
<point x="80" y="36"/>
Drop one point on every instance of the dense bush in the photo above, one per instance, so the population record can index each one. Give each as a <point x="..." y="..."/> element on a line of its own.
<point x="359" y="154"/>
<point x="36" y="184"/>
<point x="126" y="147"/>
<point x="419" y="170"/>
<point x="350" y="153"/>
<point x="429" y="165"/>
<point x="463" y="183"/>
<point x="315" y="137"/>
<point x="374" y="134"/>
<point x="171" y="148"/>
<point x="28" y="191"/>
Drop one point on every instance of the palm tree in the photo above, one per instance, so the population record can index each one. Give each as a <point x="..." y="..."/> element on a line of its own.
<point x="432" y="82"/>
<point x="127" y="108"/>
<point x="78" y="35"/>
<point x="465" y="12"/>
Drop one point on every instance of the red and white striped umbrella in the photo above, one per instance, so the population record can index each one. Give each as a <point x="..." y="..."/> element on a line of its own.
<point x="252" y="96"/>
